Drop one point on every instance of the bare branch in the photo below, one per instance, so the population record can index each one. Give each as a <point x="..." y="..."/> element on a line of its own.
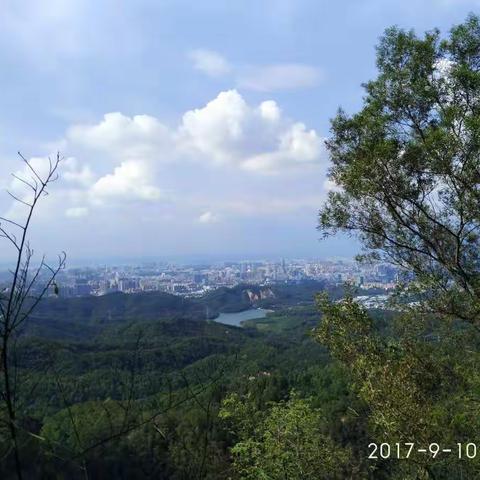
<point x="34" y="186"/>
<point x="12" y="306"/>
<point x="19" y="200"/>
<point x="11" y="238"/>
<point x="31" y="168"/>
<point x="3" y="219"/>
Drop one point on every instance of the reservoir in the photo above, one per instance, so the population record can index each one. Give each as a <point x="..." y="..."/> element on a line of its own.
<point x="237" y="318"/>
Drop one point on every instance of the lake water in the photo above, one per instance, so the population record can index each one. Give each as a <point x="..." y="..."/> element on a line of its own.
<point x="237" y="318"/>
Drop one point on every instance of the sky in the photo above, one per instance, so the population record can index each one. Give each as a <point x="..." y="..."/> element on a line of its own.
<point x="188" y="128"/>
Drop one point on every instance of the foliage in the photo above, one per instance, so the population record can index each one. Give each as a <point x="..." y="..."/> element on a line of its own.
<point x="286" y="441"/>
<point x="417" y="387"/>
<point x="407" y="164"/>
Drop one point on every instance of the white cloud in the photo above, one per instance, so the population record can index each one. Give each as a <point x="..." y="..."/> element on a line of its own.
<point x="270" y="111"/>
<point x="80" y="189"/>
<point x="297" y="146"/>
<point x="129" y="181"/>
<point x="280" y="77"/>
<point x="76" y="212"/>
<point x="75" y="173"/>
<point x="209" y="62"/>
<point x="226" y="131"/>
<point x="207" y="218"/>
<point x="70" y="170"/>
<point x="218" y="129"/>
<point x="262" y="78"/>
<point x="123" y="137"/>
<point x="19" y="187"/>
<point x="229" y="131"/>
<point x="124" y="159"/>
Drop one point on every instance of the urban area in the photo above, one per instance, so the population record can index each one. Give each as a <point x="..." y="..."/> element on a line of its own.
<point x="196" y="280"/>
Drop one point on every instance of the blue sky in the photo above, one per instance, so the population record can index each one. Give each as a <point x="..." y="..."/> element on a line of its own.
<point x="188" y="127"/>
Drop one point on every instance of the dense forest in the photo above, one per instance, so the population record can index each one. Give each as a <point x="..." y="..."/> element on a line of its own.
<point x="161" y="391"/>
<point x="153" y="392"/>
<point x="150" y="386"/>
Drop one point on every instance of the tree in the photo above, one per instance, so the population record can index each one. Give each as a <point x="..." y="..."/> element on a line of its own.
<point x="415" y="389"/>
<point x="407" y="170"/>
<point x="27" y="286"/>
<point x="408" y="164"/>
<point x="285" y="441"/>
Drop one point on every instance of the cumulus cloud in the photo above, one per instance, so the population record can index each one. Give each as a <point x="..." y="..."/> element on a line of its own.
<point x="123" y="137"/>
<point x="297" y="146"/>
<point x="130" y="180"/>
<point x="280" y="77"/>
<point x="218" y="129"/>
<point x="25" y="174"/>
<point x="207" y="218"/>
<point x="27" y="177"/>
<point x="209" y="62"/>
<point x="125" y="159"/>
<point x="228" y="130"/>
<point x="23" y="179"/>
<point x="82" y="188"/>
<point x="76" y="173"/>
<point x="269" y="110"/>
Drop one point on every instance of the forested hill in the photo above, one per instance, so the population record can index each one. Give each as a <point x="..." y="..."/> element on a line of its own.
<point x="146" y="376"/>
<point x="102" y="364"/>
<point x="244" y="296"/>
<point x="80" y="316"/>
<point x="119" y="306"/>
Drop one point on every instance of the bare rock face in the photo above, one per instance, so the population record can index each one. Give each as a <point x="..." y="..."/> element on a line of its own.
<point x="261" y="294"/>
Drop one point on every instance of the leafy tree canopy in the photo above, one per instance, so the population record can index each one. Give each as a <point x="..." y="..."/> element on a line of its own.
<point x="407" y="165"/>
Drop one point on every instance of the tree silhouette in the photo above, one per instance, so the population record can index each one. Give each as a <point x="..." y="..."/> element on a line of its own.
<point x="26" y="287"/>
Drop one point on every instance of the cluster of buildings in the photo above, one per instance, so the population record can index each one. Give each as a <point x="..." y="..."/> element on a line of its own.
<point x="196" y="280"/>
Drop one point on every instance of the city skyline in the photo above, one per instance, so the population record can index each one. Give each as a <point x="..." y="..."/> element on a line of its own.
<point x="196" y="280"/>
